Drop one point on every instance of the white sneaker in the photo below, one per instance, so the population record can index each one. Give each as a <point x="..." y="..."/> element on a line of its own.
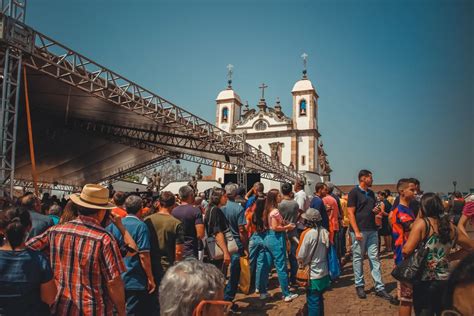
<point x="264" y="296"/>
<point x="290" y="297"/>
<point x="257" y="291"/>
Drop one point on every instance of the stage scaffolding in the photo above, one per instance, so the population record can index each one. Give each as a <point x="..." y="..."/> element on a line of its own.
<point x="158" y="126"/>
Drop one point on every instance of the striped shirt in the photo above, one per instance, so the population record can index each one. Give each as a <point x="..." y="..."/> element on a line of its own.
<point x="84" y="257"/>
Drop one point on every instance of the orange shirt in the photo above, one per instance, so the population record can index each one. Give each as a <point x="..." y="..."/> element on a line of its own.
<point x="333" y="216"/>
<point x="120" y="212"/>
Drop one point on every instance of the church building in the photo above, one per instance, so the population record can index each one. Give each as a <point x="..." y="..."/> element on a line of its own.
<point x="293" y="138"/>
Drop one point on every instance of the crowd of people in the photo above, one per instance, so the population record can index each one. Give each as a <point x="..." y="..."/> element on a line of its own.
<point x="107" y="253"/>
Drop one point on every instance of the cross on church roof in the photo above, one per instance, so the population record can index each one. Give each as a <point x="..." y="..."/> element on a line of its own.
<point x="263" y="86"/>
<point x="305" y="61"/>
<point x="230" y="71"/>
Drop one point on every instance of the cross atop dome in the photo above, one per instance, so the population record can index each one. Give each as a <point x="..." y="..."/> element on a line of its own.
<point x="230" y="72"/>
<point x="262" y="104"/>
<point x="305" y="61"/>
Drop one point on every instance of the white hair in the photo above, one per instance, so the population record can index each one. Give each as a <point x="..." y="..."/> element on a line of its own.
<point x="186" y="284"/>
<point x="232" y="190"/>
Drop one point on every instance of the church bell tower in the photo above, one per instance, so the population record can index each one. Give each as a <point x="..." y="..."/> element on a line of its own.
<point x="228" y="105"/>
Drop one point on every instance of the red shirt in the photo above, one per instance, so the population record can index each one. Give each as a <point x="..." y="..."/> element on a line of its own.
<point x="84" y="257"/>
<point x="333" y="216"/>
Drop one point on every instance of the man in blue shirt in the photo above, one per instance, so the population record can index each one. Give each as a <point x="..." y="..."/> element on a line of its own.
<point x="320" y="191"/>
<point x="235" y="215"/>
<point x="138" y="278"/>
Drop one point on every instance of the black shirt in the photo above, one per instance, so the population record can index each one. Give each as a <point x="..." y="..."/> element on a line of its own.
<point x="189" y="216"/>
<point x="364" y="203"/>
<point x="216" y="221"/>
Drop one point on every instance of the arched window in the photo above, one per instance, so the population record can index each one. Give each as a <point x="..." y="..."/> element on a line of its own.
<point x="260" y="125"/>
<point x="303" y="109"/>
<point x="225" y="115"/>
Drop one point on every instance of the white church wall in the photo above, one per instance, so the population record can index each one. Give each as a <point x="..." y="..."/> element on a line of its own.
<point x="303" y="150"/>
<point x="272" y="125"/>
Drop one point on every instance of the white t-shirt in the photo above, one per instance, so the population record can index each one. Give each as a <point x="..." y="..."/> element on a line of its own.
<point x="302" y="200"/>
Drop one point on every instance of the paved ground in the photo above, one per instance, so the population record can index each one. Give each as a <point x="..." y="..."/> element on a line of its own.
<point x="341" y="299"/>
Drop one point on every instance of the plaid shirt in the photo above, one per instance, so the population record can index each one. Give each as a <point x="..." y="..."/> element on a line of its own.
<point x="84" y="257"/>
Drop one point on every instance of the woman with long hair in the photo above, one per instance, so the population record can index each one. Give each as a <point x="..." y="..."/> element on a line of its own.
<point x="440" y="236"/>
<point x="216" y="225"/>
<point x="259" y="256"/>
<point x="275" y="240"/>
<point x="26" y="279"/>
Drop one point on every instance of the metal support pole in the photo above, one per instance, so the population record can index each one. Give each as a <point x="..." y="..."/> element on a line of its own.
<point x="8" y="119"/>
<point x="10" y="94"/>
<point x="241" y="164"/>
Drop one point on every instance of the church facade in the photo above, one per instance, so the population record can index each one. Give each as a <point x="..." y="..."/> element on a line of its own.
<point x="293" y="139"/>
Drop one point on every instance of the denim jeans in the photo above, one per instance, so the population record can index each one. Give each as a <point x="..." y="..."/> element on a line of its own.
<point x="233" y="283"/>
<point x="369" y="244"/>
<point x="276" y="244"/>
<point x="293" y="261"/>
<point x="315" y="302"/>
<point x="260" y="261"/>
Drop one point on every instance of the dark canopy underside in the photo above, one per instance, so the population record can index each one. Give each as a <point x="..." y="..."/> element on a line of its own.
<point x="64" y="155"/>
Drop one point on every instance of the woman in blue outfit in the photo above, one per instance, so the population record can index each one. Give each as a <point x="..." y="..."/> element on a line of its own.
<point x="275" y="240"/>
<point x="26" y="279"/>
<point x="259" y="255"/>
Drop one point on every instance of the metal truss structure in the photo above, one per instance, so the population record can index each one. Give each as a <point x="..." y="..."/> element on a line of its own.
<point x="10" y="61"/>
<point x="154" y="141"/>
<point x="171" y="129"/>
<point x="140" y="168"/>
<point x="46" y="186"/>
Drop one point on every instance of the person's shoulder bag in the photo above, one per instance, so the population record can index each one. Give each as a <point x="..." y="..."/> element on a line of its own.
<point x="215" y="252"/>
<point x="411" y="268"/>
<point x="303" y="273"/>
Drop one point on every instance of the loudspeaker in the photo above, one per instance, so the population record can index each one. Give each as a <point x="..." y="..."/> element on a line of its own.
<point x="251" y="179"/>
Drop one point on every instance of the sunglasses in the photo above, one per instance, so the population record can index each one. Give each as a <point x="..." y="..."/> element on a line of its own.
<point x="200" y="308"/>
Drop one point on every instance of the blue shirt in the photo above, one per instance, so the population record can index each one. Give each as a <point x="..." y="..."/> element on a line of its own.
<point x="235" y="215"/>
<point x="318" y="204"/>
<point x="21" y="275"/>
<point x="135" y="277"/>
<point x="250" y="201"/>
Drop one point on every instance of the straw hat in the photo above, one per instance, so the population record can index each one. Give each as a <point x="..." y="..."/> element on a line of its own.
<point x="93" y="196"/>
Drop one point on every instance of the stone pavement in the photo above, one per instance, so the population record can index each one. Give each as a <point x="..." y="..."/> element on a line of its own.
<point x="341" y="299"/>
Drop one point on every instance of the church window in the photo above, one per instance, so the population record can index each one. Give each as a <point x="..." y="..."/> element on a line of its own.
<point x="303" y="160"/>
<point x="303" y="108"/>
<point x="225" y="115"/>
<point x="260" y="125"/>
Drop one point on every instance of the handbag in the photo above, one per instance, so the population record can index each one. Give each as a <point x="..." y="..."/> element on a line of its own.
<point x="411" y="268"/>
<point x="215" y="252"/>
<point x="303" y="273"/>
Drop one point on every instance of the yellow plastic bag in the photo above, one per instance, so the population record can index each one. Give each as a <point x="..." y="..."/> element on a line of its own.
<point x="244" y="281"/>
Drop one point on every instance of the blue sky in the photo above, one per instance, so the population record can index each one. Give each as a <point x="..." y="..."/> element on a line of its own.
<point x="395" y="78"/>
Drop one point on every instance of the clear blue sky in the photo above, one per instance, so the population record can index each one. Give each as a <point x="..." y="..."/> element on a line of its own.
<point x="395" y="78"/>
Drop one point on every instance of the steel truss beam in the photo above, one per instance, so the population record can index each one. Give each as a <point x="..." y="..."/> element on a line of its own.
<point x="140" y="139"/>
<point x="140" y="168"/>
<point x="46" y="186"/>
<point x="10" y="59"/>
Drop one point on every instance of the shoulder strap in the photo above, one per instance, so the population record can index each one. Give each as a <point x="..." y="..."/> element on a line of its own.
<point x="427" y="229"/>
<point x="209" y="222"/>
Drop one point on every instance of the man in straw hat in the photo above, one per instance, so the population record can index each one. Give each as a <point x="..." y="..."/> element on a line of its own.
<point x="85" y="258"/>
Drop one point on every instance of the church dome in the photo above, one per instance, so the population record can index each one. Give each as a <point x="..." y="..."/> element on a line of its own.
<point x="227" y="95"/>
<point x="303" y="85"/>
